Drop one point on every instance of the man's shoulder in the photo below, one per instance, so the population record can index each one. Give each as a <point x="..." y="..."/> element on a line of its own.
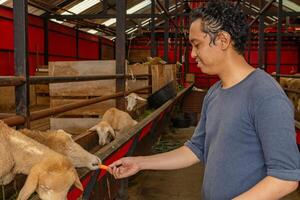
<point x="265" y="85"/>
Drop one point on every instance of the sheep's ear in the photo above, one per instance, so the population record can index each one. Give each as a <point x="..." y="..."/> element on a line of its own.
<point x="141" y="98"/>
<point x="94" y="128"/>
<point x="30" y="185"/>
<point x="77" y="182"/>
<point x="112" y="132"/>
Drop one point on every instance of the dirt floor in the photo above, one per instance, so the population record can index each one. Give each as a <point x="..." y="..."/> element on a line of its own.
<point x="184" y="184"/>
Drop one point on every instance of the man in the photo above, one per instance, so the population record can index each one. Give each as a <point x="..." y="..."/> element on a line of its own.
<point x="246" y="135"/>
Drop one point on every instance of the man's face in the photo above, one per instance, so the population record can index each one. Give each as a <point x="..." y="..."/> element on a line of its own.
<point x="208" y="56"/>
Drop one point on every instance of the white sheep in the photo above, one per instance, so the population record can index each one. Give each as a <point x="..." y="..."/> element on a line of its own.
<point x="112" y="123"/>
<point x="62" y="142"/>
<point x="132" y="100"/>
<point x="50" y="174"/>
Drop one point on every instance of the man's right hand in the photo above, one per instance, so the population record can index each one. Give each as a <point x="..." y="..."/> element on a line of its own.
<point x="125" y="167"/>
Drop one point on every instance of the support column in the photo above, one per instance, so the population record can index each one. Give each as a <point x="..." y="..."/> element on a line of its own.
<point x="176" y="33"/>
<point x="261" y="40"/>
<point x="100" y="48"/>
<point x="77" y="43"/>
<point x="153" y="42"/>
<point x="21" y="58"/>
<point x="166" y="33"/>
<point x="46" y="41"/>
<point x="279" y="39"/>
<point x="120" y="49"/>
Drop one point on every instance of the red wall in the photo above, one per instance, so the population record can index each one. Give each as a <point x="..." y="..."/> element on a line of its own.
<point x="290" y="58"/>
<point x="61" y="43"/>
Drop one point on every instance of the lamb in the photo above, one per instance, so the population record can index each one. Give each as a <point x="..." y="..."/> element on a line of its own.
<point x="113" y="122"/>
<point x="294" y="84"/>
<point x="132" y="100"/>
<point x="49" y="173"/>
<point x="62" y="143"/>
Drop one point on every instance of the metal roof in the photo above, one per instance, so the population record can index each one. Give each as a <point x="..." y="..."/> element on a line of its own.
<point x="107" y="26"/>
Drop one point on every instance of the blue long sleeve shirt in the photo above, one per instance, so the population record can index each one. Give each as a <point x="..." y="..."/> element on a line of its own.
<point x="245" y="133"/>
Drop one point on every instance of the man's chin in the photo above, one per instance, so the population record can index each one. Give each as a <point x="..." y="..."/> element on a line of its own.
<point x="207" y="71"/>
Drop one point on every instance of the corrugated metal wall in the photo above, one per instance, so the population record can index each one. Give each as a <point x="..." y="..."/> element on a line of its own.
<point x="62" y="43"/>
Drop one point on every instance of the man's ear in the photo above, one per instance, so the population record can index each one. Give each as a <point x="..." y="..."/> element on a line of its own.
<point x="30" y="184"/>
<point x="224" y="39"/>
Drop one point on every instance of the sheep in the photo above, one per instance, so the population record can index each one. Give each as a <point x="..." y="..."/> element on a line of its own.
<point x="293" y="84"/>
<point x="49" y="173"/>
<point x="62" y="142"/>
<point x="113" y="122"/>
<point x="132" y="100"/>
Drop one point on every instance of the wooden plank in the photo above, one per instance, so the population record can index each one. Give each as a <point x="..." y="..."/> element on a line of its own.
<point x="7" y="98"/>
<point x="94" y="109"/>
<point x="139" y="55"/>
<point x="73" y="126"/>
<point x="84" y="88"/>
<point x="137" y="69"/>
<point x="42" y="89"/>
<point x="162" y="74"/>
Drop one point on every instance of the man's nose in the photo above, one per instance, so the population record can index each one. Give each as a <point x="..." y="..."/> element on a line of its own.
<point x="193" y="53"/>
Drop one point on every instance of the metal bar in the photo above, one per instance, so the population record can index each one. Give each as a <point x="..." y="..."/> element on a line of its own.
<point x="11" y="80"/>
<point x="14" y="120"/>
<point x="100" y="48"/>
<point x="176" y="35"/>
<point x="64" y="79"/>
<point x="289" y="90"/>
<point x="180" y="41"/>
<point x="101" y="16"/>
<point x="6" y="115"/>
<point x="261" y="43"/>
<point x="59" y="6"/>
<point x="249" y="39"/>
<point x="21" y="57"/>
<point x="105" y="6"/>
<point x="60" y="109"/>
<point x="165" y="11"/>
<point x="46" y="41"/>
<point x="17" y="119"/>
<point x="278" y="47"/>
<point x="166" y="33"/>
<point x="120" y="49"/>
<point x="77" y="43"/>
<point x="261" y="12"/>
<point x="153" y="42"/>
<point x="187" y="54"/>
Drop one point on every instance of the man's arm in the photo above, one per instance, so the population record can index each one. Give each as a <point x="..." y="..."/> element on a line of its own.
<point x="176" y="159"/>
<point x="269" y="188"/>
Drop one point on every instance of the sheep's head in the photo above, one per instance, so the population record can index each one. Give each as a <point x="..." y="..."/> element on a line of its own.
<point x="51" y="179"/>
<point x="132" y="100"/>
<point x="78" y="155"/>
<point x="105" y="132"/>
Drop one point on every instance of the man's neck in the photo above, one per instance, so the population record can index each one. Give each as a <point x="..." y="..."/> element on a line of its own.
<point x="235" y="70"/>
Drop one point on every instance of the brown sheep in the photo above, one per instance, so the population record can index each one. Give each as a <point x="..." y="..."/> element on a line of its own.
<point x="49" y="173"/>
<point x="62" y="142"/>
<point x="112" y="123"/>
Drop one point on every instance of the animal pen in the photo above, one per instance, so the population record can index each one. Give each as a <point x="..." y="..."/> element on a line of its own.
<point x="97" y="184"/>
<point x="138" y="140"/>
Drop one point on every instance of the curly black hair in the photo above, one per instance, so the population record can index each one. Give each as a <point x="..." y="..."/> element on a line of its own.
<point x="222" y="15"/>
